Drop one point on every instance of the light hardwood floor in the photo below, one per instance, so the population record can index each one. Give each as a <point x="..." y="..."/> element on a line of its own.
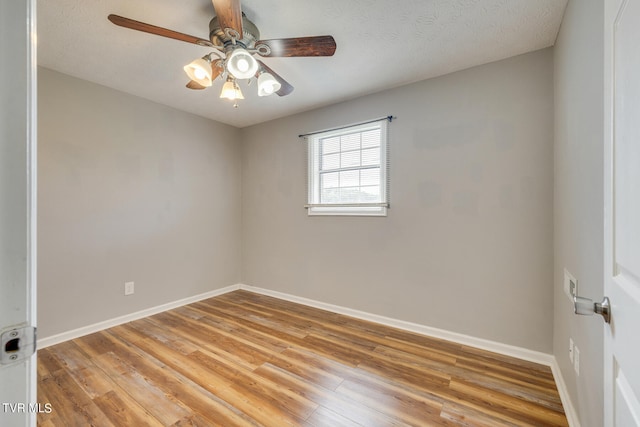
<point x="243" y="359"/>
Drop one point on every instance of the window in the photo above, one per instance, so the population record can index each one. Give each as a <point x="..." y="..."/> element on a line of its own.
<point x="348" y="170"/>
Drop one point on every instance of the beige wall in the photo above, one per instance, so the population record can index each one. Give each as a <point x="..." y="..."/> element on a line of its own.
<point x="129" y="190"/>
<point x="467" y="245"/>
<point x="578" y="199"/>
<point x="135" y="191"/>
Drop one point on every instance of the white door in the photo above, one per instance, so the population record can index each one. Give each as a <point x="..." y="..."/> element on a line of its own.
<point x="622" y="212"/>
<point x="17" y="213"/>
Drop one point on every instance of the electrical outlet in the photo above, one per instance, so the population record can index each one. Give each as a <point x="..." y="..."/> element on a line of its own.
<point x="571" y="350"/>
<point x="129" y="288"/>
<point x="570" y="285"/>
<point x="576" y="359"/>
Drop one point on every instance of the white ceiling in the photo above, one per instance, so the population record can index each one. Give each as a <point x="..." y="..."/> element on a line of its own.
<point x="381" y="44"/>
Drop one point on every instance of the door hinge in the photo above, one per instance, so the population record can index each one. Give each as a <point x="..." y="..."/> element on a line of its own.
<point x="17" y="344"/>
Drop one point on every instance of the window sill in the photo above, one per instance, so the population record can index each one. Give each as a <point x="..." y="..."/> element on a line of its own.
<point x="347" y="211"/>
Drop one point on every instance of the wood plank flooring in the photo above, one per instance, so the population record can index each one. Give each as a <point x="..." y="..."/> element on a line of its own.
<point x="243" y="359"/>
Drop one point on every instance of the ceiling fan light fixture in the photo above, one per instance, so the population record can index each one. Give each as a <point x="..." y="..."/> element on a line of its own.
<point x="231" y="91"/>
<point x="241" y="64"/>
<point x="267" y="84"/>
<point x="200" y="71"/>
<point x="235" y="40"/>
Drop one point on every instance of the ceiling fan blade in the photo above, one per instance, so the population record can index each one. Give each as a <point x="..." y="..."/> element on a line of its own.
<point x="152" y="29"/>
<point x="285" y="87"/>
<point x="298" y="46"/>
<point x="229" y="14"/>
<point x="195" y="85"/>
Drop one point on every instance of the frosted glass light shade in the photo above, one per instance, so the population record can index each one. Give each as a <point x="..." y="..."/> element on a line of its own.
<point x="241" y="64"/>
<point x="199" y="71"/>
<point x="231" y="91"/>
<point x="267" y="84"/>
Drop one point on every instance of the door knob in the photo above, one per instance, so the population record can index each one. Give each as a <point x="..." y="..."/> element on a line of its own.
<point x="586" y="307"/>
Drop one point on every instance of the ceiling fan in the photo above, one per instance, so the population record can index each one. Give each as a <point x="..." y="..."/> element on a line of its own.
<point x="235" y="40"/>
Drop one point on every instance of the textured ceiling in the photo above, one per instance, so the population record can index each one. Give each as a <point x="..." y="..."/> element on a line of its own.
<point x="381" y="44"/>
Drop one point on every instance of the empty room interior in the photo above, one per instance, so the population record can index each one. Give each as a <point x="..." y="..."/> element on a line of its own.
<point x="193" y="271"/>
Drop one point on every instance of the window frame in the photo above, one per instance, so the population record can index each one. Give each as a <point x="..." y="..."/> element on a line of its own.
<point x="315" y="207"/>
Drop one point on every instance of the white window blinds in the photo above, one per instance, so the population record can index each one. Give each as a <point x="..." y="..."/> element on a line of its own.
<point x="348" y="170"/>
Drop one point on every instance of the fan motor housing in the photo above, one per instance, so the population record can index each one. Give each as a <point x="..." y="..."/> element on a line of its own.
<point x="250" y="33"/>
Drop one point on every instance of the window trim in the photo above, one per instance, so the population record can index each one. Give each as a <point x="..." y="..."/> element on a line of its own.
<point x="314" y="208"/>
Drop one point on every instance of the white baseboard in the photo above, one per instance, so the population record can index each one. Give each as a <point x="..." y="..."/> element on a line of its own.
<point x="508" y="350"/>
<point x="96" y="327"/>
<point x="569" y="409"/>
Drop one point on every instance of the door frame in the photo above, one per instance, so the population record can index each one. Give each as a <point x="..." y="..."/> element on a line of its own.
<point x="610" y="10"/>
<point x="22" y="14"/>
